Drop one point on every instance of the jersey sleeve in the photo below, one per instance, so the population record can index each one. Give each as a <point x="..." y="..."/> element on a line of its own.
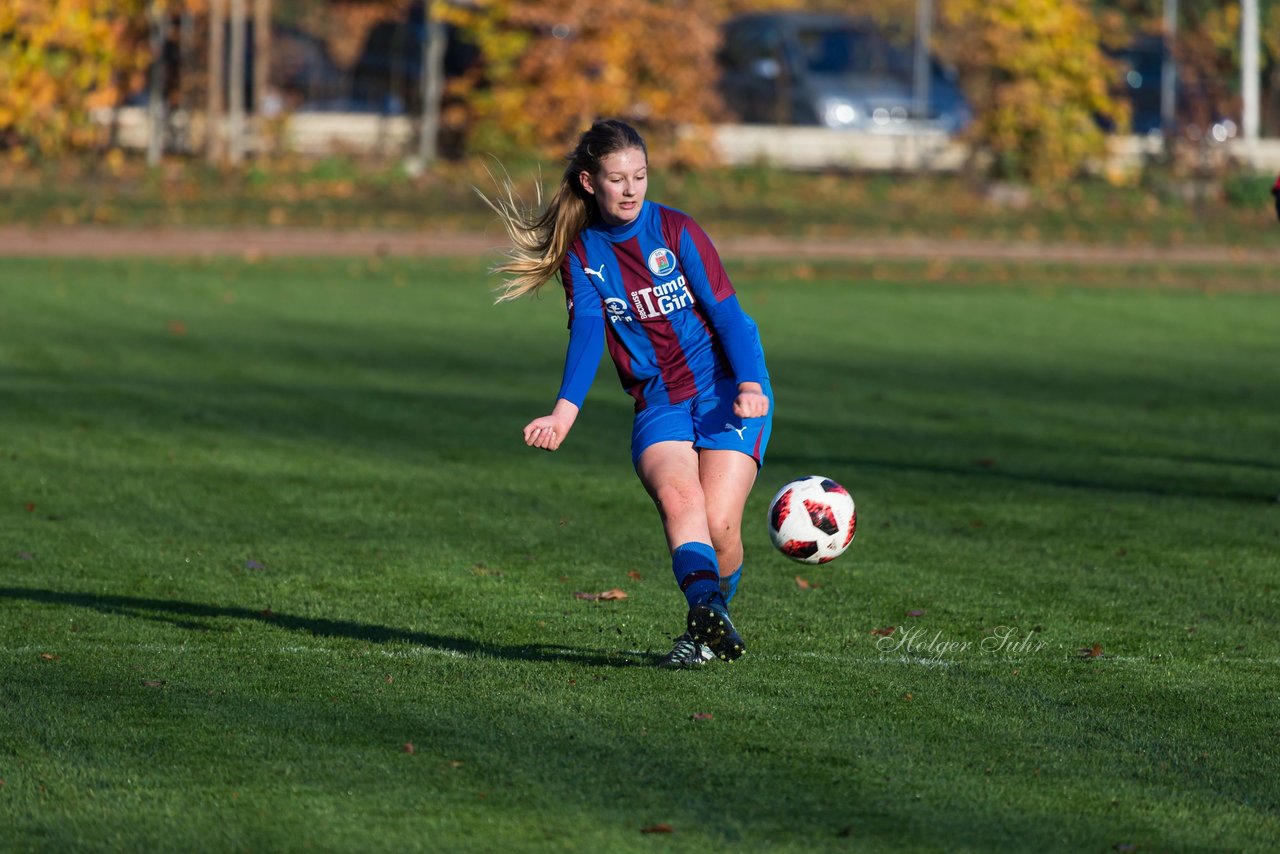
<point x="706" y="277"/>
<point x="586" y="332"/>
<point x="582" y="358"/>
<point x="703" y="270"/>
<point x="580" y="296"/>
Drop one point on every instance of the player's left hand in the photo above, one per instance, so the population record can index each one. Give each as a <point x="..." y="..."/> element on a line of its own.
<point x="751" y="401"/>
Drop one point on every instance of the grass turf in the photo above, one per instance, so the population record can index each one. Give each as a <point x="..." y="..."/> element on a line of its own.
<point x="263" y="527"/>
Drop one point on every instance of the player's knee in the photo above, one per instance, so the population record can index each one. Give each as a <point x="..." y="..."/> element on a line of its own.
<point x="721" y="524"/>
<point x="725" y="530"/>
<point x="678" y="498"/>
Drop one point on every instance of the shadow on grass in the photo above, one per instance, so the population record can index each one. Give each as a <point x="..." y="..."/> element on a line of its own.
<point x="186" y="614"/>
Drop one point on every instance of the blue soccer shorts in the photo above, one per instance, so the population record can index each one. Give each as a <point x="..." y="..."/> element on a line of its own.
<point x="706" y="420"/>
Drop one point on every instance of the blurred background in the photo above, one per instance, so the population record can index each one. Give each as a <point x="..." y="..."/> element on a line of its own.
<point x="1016" y="99"/>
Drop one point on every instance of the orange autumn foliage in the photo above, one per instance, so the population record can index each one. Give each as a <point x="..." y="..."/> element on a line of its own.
<point x="1038" y="80"/>
<point x="60" y="59"/>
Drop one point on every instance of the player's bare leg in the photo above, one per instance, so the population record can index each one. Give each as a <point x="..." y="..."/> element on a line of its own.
<point x="727" y="478"/>
<point x="671" y="472"/>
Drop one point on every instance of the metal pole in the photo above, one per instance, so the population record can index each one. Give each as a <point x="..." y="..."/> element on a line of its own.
<point x="217" y="71"/>
<point x="432" y="85"/>
<point x="1250" y="77"/>
<point x="261" y="58"/>
<point x="1168" y="71"/>
<point x="920" y="71"/>
<point x="159" y="19"/>
<point x="235" y="83"/>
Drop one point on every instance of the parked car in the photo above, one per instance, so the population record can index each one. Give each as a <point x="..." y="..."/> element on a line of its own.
<point x="387" y="75"/>
<point x="1197" y="109"/>
<point x="831" y="70"/>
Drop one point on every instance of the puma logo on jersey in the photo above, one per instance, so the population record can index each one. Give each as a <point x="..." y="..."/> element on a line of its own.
<point x="599" y="274"/>
<point x="738" y="430"/>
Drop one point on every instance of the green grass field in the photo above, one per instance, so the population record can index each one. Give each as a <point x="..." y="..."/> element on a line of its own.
<point x="264" y="526"/>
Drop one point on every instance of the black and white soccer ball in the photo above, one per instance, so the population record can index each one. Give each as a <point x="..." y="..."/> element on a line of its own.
<point x="812" y="519"/>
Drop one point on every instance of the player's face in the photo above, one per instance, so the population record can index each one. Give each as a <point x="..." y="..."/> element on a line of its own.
<point x="619" y="185"/>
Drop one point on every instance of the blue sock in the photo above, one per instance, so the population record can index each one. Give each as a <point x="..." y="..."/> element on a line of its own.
<point x="697" y="572"/>
<point x="729" y="585"/>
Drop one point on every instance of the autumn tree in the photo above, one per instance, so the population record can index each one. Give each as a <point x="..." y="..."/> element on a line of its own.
<point x="60" y="59"/>
<point x="1206" y="50"/>
<point x="553" y="66"/>
<point x="1039" y="81"/>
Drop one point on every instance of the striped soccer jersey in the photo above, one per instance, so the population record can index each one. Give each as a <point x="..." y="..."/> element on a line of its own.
<point x="672" y="321"/>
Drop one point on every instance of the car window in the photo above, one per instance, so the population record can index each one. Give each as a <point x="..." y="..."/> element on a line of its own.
<point x="746" y="43"/>
<point x="846" y="50"/>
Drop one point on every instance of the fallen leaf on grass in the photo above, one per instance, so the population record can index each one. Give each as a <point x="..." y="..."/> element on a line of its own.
<point x="253" y="564"/>
<point x="917" y="612"/>
<point x="48" y="656"/>
<point x="266" y="612"/>
<point x="30" y="506"/>
<point x="634" y="576"/>
<point x="154" y="683"/>
<point x="884" y="632"/>
<point x="1091" y="652"/>
<point x="177" y="328"/>
<point x="703" y="716"/>
<point x="606" y="595"/>
<point x="802" y="583"/>
<point x="658" y="828"/>
<point x="407" y="747"/>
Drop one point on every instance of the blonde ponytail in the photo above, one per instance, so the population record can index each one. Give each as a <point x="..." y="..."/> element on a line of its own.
<point x="541" y="238"/>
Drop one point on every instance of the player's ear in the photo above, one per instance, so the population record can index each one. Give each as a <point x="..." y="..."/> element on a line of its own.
<point x="585" y="177"/>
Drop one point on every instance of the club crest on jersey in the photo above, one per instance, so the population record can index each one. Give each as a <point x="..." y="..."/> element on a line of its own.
<point x="662" y="261"/>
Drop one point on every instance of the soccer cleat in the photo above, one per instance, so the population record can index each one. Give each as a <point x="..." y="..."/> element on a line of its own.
<point x="686" y="653"/>
<point x="712" y="627"/>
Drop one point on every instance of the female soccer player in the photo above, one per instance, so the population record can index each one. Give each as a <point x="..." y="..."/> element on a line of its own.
<point x="645" y="281"/>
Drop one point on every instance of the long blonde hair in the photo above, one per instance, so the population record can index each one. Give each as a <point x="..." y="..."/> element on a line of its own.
<point x="541" y="238"/>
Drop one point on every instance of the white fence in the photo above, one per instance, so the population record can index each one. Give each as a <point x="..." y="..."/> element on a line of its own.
<point x="784" y="147"/>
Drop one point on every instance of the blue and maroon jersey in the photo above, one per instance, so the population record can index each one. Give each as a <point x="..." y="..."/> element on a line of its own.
<point x="671" y="318"/>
